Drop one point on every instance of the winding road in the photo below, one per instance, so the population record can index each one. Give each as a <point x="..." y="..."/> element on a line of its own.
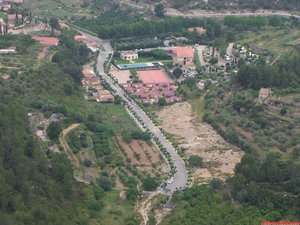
<point x="180" y="176"/>
<point x="221" y="15"/>
<point x="179" y="180"/>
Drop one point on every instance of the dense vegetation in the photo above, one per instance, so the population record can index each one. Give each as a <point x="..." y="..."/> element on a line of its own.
<point x="202" y="205"/>
<point x="268" y="175"/>
<point x="284" y="74"/>
<point x="31" y="189"/>
<point x="140" y="33"/>
<point x="34" y="189"/>
<point x="37" y="186"/>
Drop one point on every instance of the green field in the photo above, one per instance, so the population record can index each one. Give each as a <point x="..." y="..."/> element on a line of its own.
<point x="59" y="9"/>
<point x="114" y="116"/>
<point x="278" y="41"/>
<point x="115" y="211"/>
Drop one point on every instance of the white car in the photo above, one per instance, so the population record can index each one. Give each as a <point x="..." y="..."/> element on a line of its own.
<point x="170" y="181"/>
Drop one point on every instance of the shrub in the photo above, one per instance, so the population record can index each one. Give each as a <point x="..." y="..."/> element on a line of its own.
<point x="195" y="161"/>
<point x="53" y="130"/>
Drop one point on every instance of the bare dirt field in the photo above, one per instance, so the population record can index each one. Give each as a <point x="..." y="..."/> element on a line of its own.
<point x="199" y="138"/>
<point x="121" y="75"/>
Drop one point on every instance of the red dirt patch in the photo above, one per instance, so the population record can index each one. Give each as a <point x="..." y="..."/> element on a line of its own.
<point x="153" y="76"/>
<point x="48" y="41"/>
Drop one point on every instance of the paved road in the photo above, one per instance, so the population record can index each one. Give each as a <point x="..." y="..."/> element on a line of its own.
<point x="180" y="177"/>
<point x="220" y="15"/>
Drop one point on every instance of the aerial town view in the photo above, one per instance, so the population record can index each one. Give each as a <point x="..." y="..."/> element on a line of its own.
<point x="135" y="112"/>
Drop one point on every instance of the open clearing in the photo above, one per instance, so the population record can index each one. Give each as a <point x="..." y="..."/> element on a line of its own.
<point x="121" y="75"/>
<point x="199" y="138"/>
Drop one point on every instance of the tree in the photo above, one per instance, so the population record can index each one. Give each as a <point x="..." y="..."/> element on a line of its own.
<point x="213" y="60"/>
<point x="275" y="21"/>
<point x="162" y="101"/>
<point x="177" y="73"/>
<point x="296" y="152"/>
<point x="54" y="24"/>
<point x="118" y="100"/>
<point x="216" y="184"/>
<point x="196" y="161"/>
<point x="149" y="183"/>
<point x="283" y="111"/>
<point x="53" y="130"/>
<point x="105" y="183"/>
<point x="159" y="10"/>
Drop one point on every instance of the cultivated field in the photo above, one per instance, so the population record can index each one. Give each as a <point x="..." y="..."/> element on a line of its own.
<point x="199" y="138"/>
<point x="143" y="155"/>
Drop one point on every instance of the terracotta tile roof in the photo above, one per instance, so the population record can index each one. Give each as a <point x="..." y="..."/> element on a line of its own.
<point x="184" y="52"/>
<point x="88" y="72"/>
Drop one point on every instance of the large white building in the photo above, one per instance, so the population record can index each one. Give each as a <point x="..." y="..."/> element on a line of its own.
<point x="129" y="55"/>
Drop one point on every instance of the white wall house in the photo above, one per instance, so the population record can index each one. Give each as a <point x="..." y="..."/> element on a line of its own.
<point x="129" y="55"/>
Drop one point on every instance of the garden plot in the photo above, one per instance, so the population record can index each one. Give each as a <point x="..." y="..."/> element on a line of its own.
<point x="139" y="152"/>
<point x="144" y="156"/>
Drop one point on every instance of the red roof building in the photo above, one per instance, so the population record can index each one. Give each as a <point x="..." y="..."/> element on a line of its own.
<point x="183" y="57"/>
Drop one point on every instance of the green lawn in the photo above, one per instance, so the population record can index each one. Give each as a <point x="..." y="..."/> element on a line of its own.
<point x="121" y="61"/>
<point x="140" y="60"/>
<point x="144" y="59"/>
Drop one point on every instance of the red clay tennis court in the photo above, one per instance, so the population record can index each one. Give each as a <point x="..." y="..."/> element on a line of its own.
<point x="49" y="41"/>
<point x="153" y="76"/>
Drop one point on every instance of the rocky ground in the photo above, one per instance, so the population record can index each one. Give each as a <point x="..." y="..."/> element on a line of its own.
<point x="199" y="138"/>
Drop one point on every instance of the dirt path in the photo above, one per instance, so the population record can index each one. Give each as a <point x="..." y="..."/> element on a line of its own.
<point x="67" y="149"/>
<point x="229" y="50"/>
<point x="144" y="208"/>
<point x="275" y="60"/>
<point x="43" y="53"/>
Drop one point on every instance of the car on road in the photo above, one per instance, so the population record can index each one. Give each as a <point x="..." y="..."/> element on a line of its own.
<point x="170" y="181"/>
<point x="164" y="185"/>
